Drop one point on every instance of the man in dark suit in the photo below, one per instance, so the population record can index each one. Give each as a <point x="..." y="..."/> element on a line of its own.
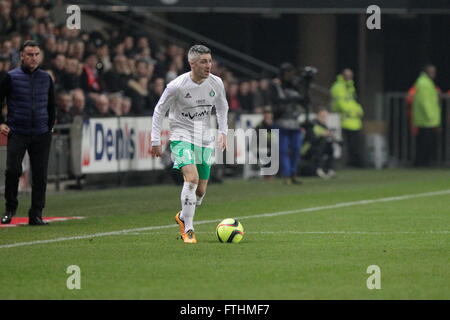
<point x="30" y="100"/>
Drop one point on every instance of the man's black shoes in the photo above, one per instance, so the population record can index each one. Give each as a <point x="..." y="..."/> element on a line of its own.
<point x="34" y="221"/>
<point x="7" y="217"/>
<point x="35" y="218"/>
<point x="37" y="221"/>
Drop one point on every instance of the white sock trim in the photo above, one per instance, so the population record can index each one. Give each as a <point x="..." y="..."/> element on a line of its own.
<point x="200" y="199"/>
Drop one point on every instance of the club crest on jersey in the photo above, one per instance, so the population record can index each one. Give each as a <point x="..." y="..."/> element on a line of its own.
<point x="212" y="93"/>
<point x="187" y="96"/>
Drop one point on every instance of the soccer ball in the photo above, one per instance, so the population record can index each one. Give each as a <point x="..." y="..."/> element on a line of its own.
<point x="230" y="230"/>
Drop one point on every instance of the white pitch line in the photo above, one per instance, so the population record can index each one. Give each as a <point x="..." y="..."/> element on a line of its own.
<point x="353" y="232"/>
<point x="263" y="215"/>
<point x="308" y="232"/>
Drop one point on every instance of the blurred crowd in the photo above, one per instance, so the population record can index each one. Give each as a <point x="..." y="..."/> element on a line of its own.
<point x="107" y="72"/>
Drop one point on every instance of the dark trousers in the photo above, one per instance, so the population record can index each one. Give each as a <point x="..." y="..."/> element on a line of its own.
<point x="353" y="144"/>
<point x="425" y="147"/>
<point x="323" y="155"/>
<point x="38" y="148"/>
<point x="290" y="145"/>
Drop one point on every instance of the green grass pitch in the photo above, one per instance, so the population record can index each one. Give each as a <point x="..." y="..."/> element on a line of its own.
<point x="319" y="254"/>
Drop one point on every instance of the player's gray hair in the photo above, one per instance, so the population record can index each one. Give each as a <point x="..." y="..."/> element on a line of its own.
<point x="197" y="50"/>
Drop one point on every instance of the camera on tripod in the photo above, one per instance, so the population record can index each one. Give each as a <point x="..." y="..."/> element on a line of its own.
<point x="299" y="80"/>
<point x="308" y="73"/>
<point x="303" y="84"/>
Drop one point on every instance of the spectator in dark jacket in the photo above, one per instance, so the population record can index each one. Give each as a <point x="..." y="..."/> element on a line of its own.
<point x="79" y="104"/>
<point x="126" y="107"/>
<point x="57" y="67"/>
<point x="117" y="78"/>
<point x="138" y="91"/>
<point x="90" y="78"/>
<point x="156" y="91"/>
<point x="64" y="105"/>
<point x="101" y="106"/>
<point x="115" y="104"/>
<point x="245" y="97"/>
<point x="71" y="75"/>
<point x="6" y="23"/>
<point x="261" y="98"/>
<point x="233" y="99"/>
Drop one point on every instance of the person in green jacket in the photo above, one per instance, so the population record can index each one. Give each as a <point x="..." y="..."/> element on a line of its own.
<point x="426" y="116"/>
<point x="343" y="95"/>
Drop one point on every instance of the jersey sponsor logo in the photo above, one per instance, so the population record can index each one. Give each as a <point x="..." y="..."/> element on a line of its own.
<point x="187" y="96"/>
<point x="194" y="115"/>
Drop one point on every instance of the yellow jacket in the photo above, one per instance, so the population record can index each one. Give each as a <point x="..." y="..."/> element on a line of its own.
<point x="343" y="95"/>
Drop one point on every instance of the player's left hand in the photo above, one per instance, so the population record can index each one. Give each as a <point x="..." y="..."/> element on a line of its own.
<point x="156" y="151"/>
<point x="222" y="143"/>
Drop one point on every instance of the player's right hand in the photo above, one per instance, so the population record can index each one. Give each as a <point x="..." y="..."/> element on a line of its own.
<point x="4" y="129"/>
<point x="156" y="151"/>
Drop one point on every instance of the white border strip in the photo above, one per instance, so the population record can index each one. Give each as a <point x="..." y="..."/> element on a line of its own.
<point x="263" y="215"/>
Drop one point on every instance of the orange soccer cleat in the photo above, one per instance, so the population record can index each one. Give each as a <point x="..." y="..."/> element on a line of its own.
<point x="180" y="222"/>
<point x="189" y="237"/>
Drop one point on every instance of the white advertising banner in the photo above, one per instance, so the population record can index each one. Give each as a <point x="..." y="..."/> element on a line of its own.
<point x="119" y="144"/>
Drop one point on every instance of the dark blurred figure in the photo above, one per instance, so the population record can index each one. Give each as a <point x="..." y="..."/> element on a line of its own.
<point x="101" y="106"/>
<point x="71" y="75"/>
<point x="233" y="98"/>
<point x="104" y="57"/>
<point x="426" y="116"/>
<point x="260" y="97"/>
<point x="57" y="66"/>
<point x="5" y="65"/>
<point x="115" y="104"/>
<point x="62" y="45"/>
<point x="267" y="125"/>
<point x="76" y="50"/>
<point x="286" y="102"/>
<point x="78" y="104"/>
<point x="156" y="91"/>
<point x="322" y="149"/>
<point x="90" y="78"/>
<point x="116" y="79"/>
<point x="129" y="49"/>
<point x="64" y="105"/>
<point x="245" y="97"/>
<point x="50" y="51"/>
<point x="138" y="91"/>
<point x="16" y="42"/>
<point x="6" y="22"/>
<point x="126" y="107"/>
<point x="138" y="88"/>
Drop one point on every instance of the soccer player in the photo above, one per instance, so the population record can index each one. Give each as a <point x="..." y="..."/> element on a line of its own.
<point x="190" y="99"/>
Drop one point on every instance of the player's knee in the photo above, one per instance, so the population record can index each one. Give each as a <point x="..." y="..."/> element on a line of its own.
<point x="190" y="174"/>
<point x="192" y="178"/>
